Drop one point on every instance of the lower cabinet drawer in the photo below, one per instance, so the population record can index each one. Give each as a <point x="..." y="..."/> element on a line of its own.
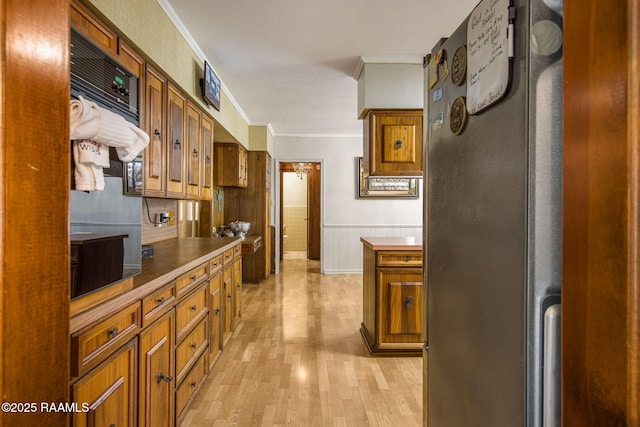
<point x="158" y="303"/>
<point x="189" y="387"/>
<point x="191" y="348"/>
<point x="93" y="344"/>
<point x="399" y="259"/>
<point x="190" y="311"/>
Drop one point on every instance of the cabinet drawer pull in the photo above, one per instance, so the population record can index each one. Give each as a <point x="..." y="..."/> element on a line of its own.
<point x="194" y="307"/>
<point x="113" y="332"/>
<point x="408" y="303"/>
<point x="193" y="278"/>
<point x="194" y="345"/>
<point x="161" y="301"/>
<point x="408" y="258"/>
<point x="161" y="377"/>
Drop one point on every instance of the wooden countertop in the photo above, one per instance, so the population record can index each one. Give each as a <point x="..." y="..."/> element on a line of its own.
<point x="393" y="243"/>
<point x="172" y="258"/>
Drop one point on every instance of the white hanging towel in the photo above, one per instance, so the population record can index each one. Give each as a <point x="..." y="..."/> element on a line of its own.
<point x="88" y="176"/>
<point x="90" y="121"/>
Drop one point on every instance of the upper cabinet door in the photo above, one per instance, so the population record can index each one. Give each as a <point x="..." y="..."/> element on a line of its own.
<point x="206" y="165"/>
<point x="154" y="155"/>
<point x="176" y="111"/>
<point x="393" y="142"/>
<point x="193" y="152"/>
<point x="231" y="165"/>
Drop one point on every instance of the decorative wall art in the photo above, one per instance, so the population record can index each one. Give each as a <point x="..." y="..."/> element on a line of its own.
<point x="382" y="187"/>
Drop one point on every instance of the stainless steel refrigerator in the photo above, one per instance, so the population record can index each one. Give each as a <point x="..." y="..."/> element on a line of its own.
<point x="492" y="235"/>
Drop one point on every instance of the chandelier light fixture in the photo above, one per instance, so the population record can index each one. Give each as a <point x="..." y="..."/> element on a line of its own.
<point x="301" y="169"/>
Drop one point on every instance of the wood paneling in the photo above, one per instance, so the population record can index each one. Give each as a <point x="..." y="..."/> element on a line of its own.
<point x="601" y="233"/>
<point x="34" y="164"/>
<point x="313" y="212"/>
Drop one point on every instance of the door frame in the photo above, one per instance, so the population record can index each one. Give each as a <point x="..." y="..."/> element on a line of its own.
<point x="278" y="202"/>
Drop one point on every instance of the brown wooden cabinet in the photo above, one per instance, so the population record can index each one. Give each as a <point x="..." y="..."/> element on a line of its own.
<point x="393" y="142"/>
<point x="207" y="158"/>
<point x="392" y="299"/>
<point x="237" y="291"/>
<point x="215" y="316"/>
<point x="157" y="373"/>
<point x="154" y="156"/>
<point x="253" y="205"/>
<point x="176" y="146"/>
<point x="110" y="391"/>
<point x="231" y="165"/>
<point x="227" y="305"/>
<point x="193" y="151"/>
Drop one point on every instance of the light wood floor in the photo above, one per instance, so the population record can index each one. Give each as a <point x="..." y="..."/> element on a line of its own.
<point x="297" y="359"/>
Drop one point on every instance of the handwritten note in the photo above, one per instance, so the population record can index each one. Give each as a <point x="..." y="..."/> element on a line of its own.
<point x="488" y="54"/>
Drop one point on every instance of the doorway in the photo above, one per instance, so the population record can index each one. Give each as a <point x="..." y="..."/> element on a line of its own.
<point x="300" y="211"/>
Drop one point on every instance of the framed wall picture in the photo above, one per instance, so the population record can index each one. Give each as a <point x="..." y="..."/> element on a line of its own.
<point x="382" y="187"/>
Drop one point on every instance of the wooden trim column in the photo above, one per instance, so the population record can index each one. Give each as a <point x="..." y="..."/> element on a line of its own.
<point x="601" y="236"/>
<point x="34" y="198"/>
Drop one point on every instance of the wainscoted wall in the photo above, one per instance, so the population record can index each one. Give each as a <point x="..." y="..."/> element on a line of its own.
<point x="342" y="251"/>
<point x="346" y="217"/>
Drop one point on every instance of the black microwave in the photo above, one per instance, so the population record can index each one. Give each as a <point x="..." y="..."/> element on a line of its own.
<point x="96" y="76"/>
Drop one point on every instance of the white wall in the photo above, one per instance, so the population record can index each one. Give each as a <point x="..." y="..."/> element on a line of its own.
<point x="344" y="217"/>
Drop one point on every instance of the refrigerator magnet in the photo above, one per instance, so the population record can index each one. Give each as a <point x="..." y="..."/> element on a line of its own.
<point x="437" y="95"/>
<point x="437" y="122"/>
<point x="458" y="116"/>
<point x="459" y="66"/>
<point x="433" y="71"/>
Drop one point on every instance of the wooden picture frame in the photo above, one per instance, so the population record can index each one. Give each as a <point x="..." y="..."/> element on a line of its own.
<point x="384" y="187"/>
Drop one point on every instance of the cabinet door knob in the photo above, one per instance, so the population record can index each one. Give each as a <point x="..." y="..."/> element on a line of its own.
<point x="156" y="133"/>
<point x="113" y="332"/>
<point x="193" y="384"/>
<point x="194" y="345"/>
<point x="408" y="303"/>
<point x="176" y="145"/>
<point x="398" y="144"/>
<point x="194" y="307"/>
<point x="195" y="153"/>
<point x="217" y="311"/>
<point x="161" y="377"/>
<point x="229" y="297"/>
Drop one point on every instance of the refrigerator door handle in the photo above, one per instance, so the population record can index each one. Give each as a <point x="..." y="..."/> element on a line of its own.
<point x="551" y="368"/>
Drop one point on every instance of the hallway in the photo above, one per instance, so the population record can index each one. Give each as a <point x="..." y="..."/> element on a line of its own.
<point x="298" y="359"/>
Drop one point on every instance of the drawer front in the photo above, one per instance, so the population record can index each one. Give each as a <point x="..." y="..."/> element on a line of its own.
<point x="191" y="348"/>
<point x="215" y="264"/>
<point x="399" y="259"/>
<point x="158" y="303"/>
<point x="92" y="345"/>
<point x="191" y="280"/>
<point x="237" y="251"/>
<point x="228" y="256"/>
<point x="190" y="311"/>
<point x="190" y="386"/>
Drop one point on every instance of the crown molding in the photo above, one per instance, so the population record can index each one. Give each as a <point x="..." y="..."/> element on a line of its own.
<point x="192" y="43"/>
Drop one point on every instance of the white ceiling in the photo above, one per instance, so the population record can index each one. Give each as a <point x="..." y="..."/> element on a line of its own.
<point x="291" y="63"/>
